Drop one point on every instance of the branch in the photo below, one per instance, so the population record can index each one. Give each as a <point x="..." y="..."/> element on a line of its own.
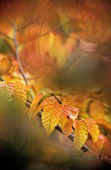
<point x="56" y="98"/>
<point x="18" y="57"/>
<point x="71" y="137"/>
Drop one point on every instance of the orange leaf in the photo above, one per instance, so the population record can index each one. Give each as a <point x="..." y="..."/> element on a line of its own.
<point x="68" y="127"/>
<point x="104" y="123"/>
<point x="97" y="110"/>
<point x="35" y="108"/>
<point x="68" y="100"/>
<point x="92" y="128"/>
<point x="102" y="146"/>
<point x="81" y="133"/>
<point x="68" y="111"/>
<point x="63" y="118"/>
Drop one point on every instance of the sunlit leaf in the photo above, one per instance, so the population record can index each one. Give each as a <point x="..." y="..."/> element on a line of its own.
<point x="68" y="111"/>
<point x="81" y="133"/>
<point x="15" y="90"/>
<point x="63" y="118"/>
<point x="92" y="128"/>
<point x="35" y="108"/>
<point x="51" y="115"/>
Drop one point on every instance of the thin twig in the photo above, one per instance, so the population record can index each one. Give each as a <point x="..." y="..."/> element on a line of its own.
<point x="18" y="57"/>
<point x="56" y="98"/>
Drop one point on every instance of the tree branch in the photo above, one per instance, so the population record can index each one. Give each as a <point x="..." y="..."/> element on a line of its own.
<point x="71" y="137"/>
<point x="18" y="57"/>
<point x="56" y="98"/>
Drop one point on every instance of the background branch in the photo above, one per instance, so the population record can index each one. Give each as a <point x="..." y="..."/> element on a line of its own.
<point x="18" y="57"/>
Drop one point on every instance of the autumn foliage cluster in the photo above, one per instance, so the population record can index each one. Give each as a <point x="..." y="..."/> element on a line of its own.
<point x="55" y="66"/>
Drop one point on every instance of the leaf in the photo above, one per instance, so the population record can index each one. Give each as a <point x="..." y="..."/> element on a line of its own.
<point x="92" y="128"/>
<point x="51" y="115"/>
<point x="15" y="90"/>
<point x="68" y="127"/>
<point x="5" y="64"/>
<point x="68" y="111"/>
<point x="65" y="23"/>
<point x="104" y="124"/>
<point x="63" y="118"/>
<point x="97" y="110"/>
<point x="18" y="91"/>
<point x="102" y="146"/>
<point x="35" y="108"/>
<point x="68" y="100"/>
<point x="81" y="133"/>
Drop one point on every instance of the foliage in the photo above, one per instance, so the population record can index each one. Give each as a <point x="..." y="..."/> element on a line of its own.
<point x="54" y="80"/>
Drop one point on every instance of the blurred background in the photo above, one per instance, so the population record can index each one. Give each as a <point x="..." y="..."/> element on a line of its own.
<point x="64" y="46"/>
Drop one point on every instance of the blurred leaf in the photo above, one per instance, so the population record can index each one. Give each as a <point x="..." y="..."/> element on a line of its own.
<point x="5" y="64"/>
<point x="97" y="110"/>
<point x="102" y="146"/>
<point x="104" y="123"/>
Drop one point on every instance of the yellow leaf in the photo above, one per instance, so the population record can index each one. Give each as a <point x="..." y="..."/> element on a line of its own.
<point x="81" y="133"/>
<point x="35" y="108"/>
<point x="68" y="127"/>
<point x="51" y="115"/>
<point x="35" y="102"/>
<point x="16" y="90"/>
<point x="63" y="118"/>
<point x="92" y="128"/>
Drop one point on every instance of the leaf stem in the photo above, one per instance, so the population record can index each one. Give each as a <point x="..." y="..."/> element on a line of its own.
<point x="56" y="98"/>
